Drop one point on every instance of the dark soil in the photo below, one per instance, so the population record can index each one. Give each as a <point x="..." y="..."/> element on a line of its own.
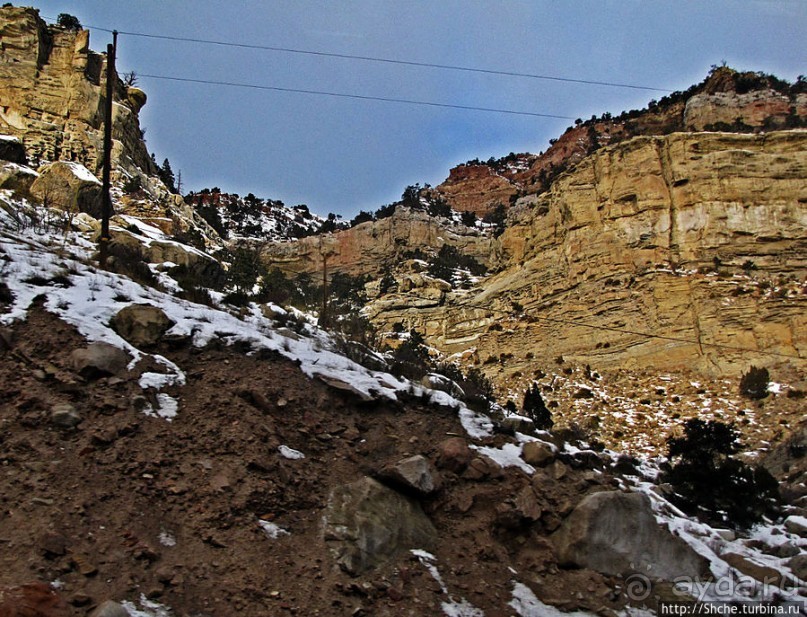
<point x="88" y="507"/>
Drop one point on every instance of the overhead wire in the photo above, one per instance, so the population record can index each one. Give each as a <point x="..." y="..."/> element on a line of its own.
<point x="433" y="65"/>
<point x="361" y="97"/>
<point x="567" y="322"/>
<point x="378" y="59"/>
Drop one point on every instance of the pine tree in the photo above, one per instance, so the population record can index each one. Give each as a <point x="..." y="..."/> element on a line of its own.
<point x="166" y="174"/>
<point x="535" y="408"/>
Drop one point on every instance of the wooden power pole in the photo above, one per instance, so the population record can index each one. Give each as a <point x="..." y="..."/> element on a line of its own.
<point x="106" y="206"/>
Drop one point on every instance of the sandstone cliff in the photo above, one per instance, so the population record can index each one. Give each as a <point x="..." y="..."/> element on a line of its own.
<point x="368" y="247"/>
<point x="699" y="238"/>
<point x="725" y="100"/>
<point x="52" y="89"/>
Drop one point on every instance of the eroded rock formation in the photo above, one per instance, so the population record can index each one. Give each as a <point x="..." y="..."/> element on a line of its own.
<point x="52" y="89"/>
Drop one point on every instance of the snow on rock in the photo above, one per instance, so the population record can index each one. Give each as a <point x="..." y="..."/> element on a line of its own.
<point x="290" y="453"/>
<point x="272" y="531"/>
<point x="81" y="172"/>
<point x="509" y="455"/>
<point x="167" y="539"/>
<point x="146" y="608"/>
<point x="526" y="604"/>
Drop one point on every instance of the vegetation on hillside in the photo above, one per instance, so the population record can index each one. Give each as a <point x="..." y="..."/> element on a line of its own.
<point x="713" y="485"/>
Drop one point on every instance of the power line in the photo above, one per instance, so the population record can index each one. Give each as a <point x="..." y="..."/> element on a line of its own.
<point x="570" y="322"/>
<point x="232" y="84"/>
<point x="431" y="65"/>
<point x="449" y="67"/>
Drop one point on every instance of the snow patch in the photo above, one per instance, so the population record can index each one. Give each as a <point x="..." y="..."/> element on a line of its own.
<point x="272" y="531"/>
<point x="509" y="455"/>
<point x="290" y="453"/>
<point x="146" y="608"/>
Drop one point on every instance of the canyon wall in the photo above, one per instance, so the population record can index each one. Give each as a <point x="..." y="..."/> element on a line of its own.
<point x="696" y="238"/>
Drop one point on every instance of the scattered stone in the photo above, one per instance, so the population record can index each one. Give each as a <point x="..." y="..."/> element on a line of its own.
<point x="727" y="534"/>
<point x="527" y="504"/>
<point x="558" y="470"/>
<point x="83" y="565"/>
<point x="142" y="325"/>
<point x="454" y="454"/>
<point x="414" y="474"/>
<point x="80" y="599"/>
<point x="435" y="381"/>
<point x="617" y="533"/>
<point x="64" y="415"/>
<point x="257" y="399"/>
<point x="518" y="424"/>
<point x="482" y="468"/>
<point x="796" y="525"/>
<point x="54" y="545"/>
<point x="366" y="523"/>
<point x="583" y="392"/>
<point x="762" y="573"/>
<point x="99" y="360"/>
<point x="537" y="453"/>
<point x="798" y="565"/>
<point x="110" y="608"/>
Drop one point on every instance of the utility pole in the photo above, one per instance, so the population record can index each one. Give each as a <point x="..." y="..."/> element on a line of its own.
<point x="323" y="320"/>
<point x="106" y="206"/>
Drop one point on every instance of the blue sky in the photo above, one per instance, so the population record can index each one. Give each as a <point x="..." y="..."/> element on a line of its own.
<point x="342" y="155"/>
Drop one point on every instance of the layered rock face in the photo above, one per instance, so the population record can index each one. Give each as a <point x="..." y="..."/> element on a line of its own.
<point x="368" y="247"/>
<point x="699" y="238"/>
<point x="725" y="100"/>
<point x="52" y="89"/>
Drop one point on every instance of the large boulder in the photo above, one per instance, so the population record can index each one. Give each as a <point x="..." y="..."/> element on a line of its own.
<point x="68" y="186"/>
<point x="142" y="325"/>
<point x="366" y="523"/>
<point x="99" y="360"/>
<point x="616" y="533"/>
<point x="16" y="177"/>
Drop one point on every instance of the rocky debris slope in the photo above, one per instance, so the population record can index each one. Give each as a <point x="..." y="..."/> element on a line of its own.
<point x="204" y="471"/>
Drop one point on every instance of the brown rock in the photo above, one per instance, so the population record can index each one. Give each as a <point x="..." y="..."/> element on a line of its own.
<point x="68" y="186"/>
<point x="527" y="504"/>
<point x="414" y="474"/>
<point x="537" y="453"/>
<point x="482" y="468"/>
<point x="32" y="600"/>
<point x="99" y="360"/>
<point x="764" y="574"/>
<point x="454" y="454"/>
<point x="110" y="608"/>
<point x="142" y="325"/>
